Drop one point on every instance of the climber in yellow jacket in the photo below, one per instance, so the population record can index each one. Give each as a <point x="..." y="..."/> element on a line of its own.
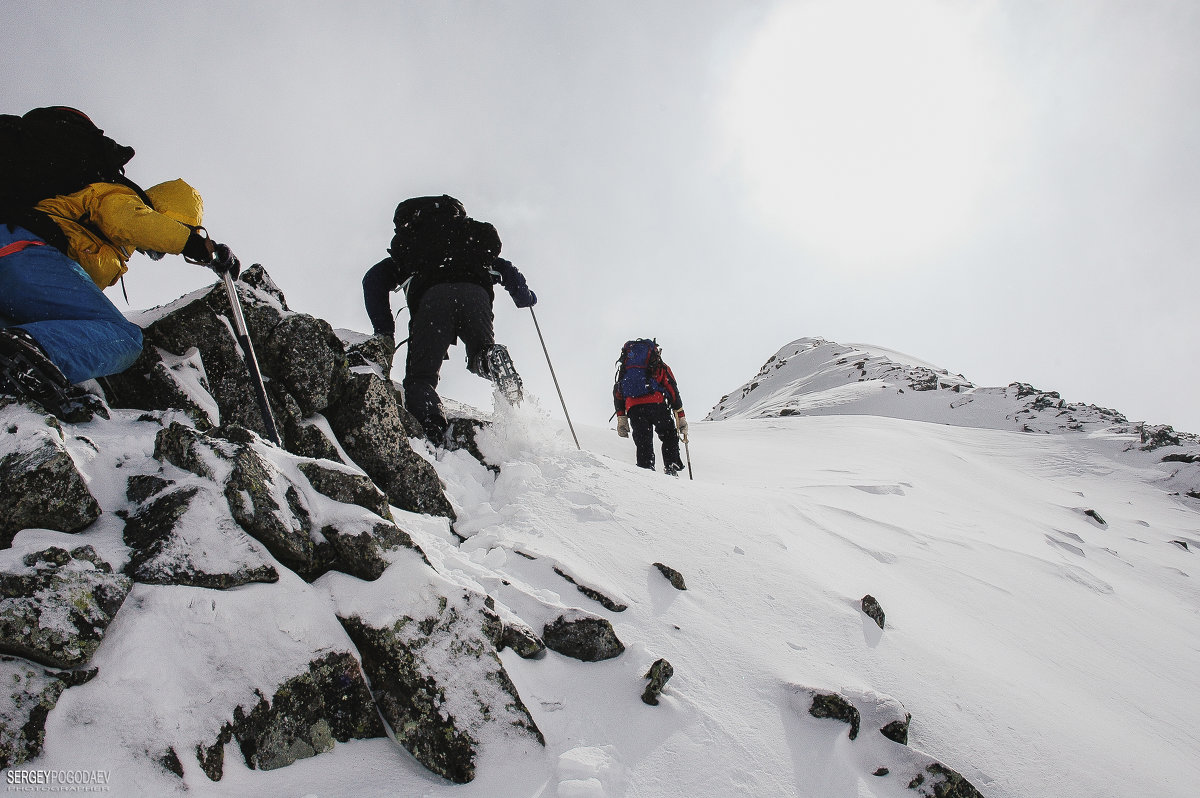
<point x="56" y="325"/>
<point x="105" y="223"/>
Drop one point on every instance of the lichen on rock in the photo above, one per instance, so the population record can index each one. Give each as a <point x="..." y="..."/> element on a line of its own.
<point x="43" y="488"/>
<point x="438" y="682"/>
<point x="581" y="637"/>
<point x="55" y="609"/>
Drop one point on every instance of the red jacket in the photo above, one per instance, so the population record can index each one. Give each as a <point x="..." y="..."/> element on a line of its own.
<point x="669" y="393"/>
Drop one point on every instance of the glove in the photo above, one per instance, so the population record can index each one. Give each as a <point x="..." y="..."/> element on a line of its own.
<point x="198" y="248"/>
<point x="225" y="261"/>
<point x="514" y="283"/>
<point x="623" y="426"/>
<point x="681" y="425"/>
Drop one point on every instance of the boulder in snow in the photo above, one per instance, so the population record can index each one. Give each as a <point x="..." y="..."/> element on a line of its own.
<point x="56" y="605"/>
<point x="188" y="537"/>
<point x="672" y="576"/>
<point x="872" y="609"/>
<point x="831" y="705"/>
<point x="358" y="549"/>
<point x="438" y="682"/>
<point x="331" y="702"/>
<point x="583" y="637"/>
<point x="367" y="421"/>
<point x="32" y="693"/>
<point x="42" y="486"/>
<point x="660" y="672"/>
<point x="343" y="485"/>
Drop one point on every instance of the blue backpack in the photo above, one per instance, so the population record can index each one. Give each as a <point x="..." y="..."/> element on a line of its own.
<point x="638" y="359"/>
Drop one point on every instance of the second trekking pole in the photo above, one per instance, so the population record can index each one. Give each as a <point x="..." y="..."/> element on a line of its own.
<point x="243" y="337"/>
<point x="688" y="451"/>
<point x="561" y="401"/>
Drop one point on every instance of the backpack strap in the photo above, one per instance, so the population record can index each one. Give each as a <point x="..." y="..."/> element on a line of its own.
<point x="121" y="179"/>
<point x="17" y="246"/>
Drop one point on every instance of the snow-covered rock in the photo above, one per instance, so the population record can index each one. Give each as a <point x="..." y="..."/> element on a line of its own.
<point x="42" y="484"/>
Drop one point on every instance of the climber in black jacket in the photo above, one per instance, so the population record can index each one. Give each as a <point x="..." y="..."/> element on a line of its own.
<point x="447" y="265"/>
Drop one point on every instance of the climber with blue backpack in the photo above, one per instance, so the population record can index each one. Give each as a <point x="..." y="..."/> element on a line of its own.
<point x="69" y="222"/>
<point x="646" y="398"/>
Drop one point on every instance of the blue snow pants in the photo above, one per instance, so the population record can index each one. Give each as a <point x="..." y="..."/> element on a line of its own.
<point x="51" y="296"/>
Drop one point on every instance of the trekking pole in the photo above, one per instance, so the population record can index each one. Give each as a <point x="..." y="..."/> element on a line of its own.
<point x="688" y="451"/>
<point x="243" y="336"/>
<point x="561" y="401"/>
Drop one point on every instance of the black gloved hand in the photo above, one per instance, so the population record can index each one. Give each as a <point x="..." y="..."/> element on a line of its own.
<point x="225" y="261"/>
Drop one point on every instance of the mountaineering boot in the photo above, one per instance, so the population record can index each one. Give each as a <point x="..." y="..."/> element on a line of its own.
<point x="26" y="371"/>
<point x="496" y="365"/>
<point x="28" y="374"/>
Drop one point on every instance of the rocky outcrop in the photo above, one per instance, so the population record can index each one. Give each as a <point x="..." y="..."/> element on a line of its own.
<point x="42" y="486"/>
<point x="367" y="422"/>
<point x="343" y="485"/>
<point x="522" y="640"/>
<point x="361" y="549"/>
<point x="598" y="596"/>
<point x="56" y="608"/>
<point x="943" y="782"/>
<point x="187" y="537"/>
<point x="212" y="530"/>
<point x="897" y="730"/>
<point x="306" y="715"/>
<point x="905" y="765"/>
<point x="274" y="508"/>
<point x="31" y="693"/>
<point x="191" y="362"/>
<point x="437" y="681"/>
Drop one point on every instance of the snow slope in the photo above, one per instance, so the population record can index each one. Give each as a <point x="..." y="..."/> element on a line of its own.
<point x="1040" y="649"/>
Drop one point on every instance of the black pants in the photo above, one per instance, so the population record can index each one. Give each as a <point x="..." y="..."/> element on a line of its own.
<point x="448" y="312"/>
<point x="644" y="421"/>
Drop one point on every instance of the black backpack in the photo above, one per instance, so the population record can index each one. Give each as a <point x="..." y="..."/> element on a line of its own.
<point x="53" y="151"/>
<point x="435" y="237"/>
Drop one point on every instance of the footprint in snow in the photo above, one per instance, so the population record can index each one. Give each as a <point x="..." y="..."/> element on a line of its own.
<point x="591" y="772"/>
<point x="583" y="499"/>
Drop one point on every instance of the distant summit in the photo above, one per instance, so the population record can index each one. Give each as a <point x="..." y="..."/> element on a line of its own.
<point x="813" y="376"/>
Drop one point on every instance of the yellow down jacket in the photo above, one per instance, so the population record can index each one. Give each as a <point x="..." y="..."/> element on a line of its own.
<point x="106" y="222"/>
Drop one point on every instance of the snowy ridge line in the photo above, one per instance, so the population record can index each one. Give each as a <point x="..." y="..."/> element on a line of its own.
<point x="814" y="376"/>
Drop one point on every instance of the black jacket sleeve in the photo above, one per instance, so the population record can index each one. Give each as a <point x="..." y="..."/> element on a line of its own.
<point x="514" y="283"/>
<point x="379" y="281"/>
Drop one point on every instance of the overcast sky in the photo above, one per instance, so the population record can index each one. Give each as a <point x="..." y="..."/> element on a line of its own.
<point x="1009" y="189"/>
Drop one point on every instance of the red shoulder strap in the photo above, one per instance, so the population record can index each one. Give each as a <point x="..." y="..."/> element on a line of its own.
<point x="17" y="246"/>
